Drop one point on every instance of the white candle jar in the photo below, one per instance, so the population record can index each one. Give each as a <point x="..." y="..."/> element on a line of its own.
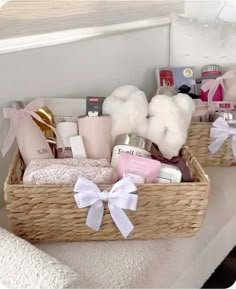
<point x="131" y="144"/>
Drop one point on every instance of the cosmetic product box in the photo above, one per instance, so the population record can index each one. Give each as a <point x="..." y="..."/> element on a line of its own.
<point x="94" y="105"/>
<point x="208" y="73"/>
<point x="176" y="77"/>
<point x="49" y="212"/>
<point x="169" y="174"/>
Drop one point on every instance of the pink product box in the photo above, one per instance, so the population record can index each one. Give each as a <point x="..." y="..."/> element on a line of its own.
<point x="176" y="77"/>
<point x="140" y="170"/>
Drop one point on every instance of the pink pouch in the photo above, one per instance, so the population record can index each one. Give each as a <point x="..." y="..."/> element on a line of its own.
<point x="141" y="170"/>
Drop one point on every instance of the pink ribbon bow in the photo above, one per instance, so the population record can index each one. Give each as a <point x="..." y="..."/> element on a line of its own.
<point x="221" y="132"/>
<point x="15" y="114"/>
<point x="87" y="194"/>
<point x="212" y="84"/>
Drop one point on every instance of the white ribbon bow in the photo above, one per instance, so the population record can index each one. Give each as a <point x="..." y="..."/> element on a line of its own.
<point x="87" y="194"/>
<point x="221" y="132"/>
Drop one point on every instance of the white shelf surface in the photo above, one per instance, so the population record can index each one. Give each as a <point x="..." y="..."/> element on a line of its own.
<point x="27" y="24"/>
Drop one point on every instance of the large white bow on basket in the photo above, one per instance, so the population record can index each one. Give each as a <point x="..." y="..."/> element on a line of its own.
<point x="87" y="194"/>
<point x="221" y="131"/>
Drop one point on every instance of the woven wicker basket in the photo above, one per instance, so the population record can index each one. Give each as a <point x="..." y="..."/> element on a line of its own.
<point x="49" y="213"/>
<point x="198" y="141"/>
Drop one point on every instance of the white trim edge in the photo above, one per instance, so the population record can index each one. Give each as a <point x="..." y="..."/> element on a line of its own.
<point x="2" y="2"/>
<point x="67" y="36"/>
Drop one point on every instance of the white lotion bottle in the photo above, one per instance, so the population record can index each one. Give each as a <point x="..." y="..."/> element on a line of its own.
<point x="67" y="130"/>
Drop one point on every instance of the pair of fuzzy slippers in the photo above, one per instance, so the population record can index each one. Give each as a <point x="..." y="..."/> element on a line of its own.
<point x="165" y="120"/>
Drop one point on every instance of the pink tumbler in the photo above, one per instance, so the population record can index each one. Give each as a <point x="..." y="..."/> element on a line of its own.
<point x="96" y="134"/>
<point x="210" y="72"/>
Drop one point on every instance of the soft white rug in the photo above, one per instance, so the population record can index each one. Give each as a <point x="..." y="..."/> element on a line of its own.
<point x="23" y="266"/>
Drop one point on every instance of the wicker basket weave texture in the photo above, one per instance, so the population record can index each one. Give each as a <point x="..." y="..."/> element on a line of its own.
<point x="49" y="213"/>
<point x="198" y="141"/>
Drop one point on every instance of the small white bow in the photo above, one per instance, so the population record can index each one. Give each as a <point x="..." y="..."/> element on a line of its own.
<point x="221" y="132"/>
<point x="87" y="194"/>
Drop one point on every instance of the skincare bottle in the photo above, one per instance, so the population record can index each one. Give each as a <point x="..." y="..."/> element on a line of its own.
<point x="66" y="131"/>
<point x="31" y="141"/>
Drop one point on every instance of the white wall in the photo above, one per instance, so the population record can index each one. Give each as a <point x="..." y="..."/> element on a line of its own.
<point x="92" y="67"/>
<point x="2" y="2"/>
<point x="202" y="9"/>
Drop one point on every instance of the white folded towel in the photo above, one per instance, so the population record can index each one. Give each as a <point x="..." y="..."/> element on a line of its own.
<point x="169" y="120"/>
<point x="128" y="108"/>
<point x="23" y="266"/>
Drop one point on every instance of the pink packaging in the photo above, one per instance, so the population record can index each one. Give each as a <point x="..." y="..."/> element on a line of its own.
<point x="141" y="170"/>
<point x="209" y="73"/>
<point x="96" y="134"/>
